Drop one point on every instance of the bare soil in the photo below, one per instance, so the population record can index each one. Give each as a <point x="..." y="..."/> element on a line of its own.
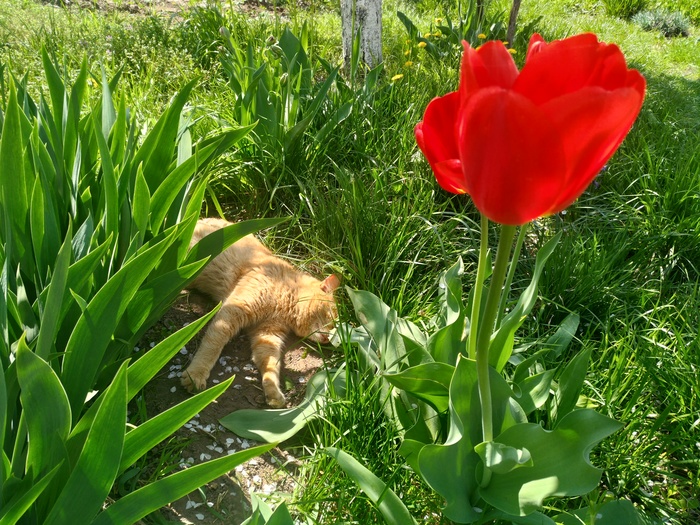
<point x="227" y="499"/>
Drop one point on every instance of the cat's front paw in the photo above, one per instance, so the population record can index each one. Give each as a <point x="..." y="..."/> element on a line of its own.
<point x="194" y="379"/>
<point x="274" y="396"/>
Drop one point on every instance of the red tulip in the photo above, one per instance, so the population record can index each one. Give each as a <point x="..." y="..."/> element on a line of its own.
<point x="527" y="144"/>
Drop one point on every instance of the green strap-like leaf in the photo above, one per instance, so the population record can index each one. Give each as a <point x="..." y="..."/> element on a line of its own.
<point x="217" y="241"/>
<point x="158" y="148"/>
<point x="167" y="191"/>
<point x="46" y="409"/>
<point x="14" y="198"/>
<point x="13" y="510"/>
<point x="143" y="501"/>
<point x="54" y="300"/>
<point x="139" y="374"/>
<point x="94" y="329"/>
<point x="143" y="438"/>
<point x="387" y="502"/>
<point x="96" y="469"/>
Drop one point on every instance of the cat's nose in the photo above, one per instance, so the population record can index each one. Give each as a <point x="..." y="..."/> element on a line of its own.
<point x="323" y="338"/>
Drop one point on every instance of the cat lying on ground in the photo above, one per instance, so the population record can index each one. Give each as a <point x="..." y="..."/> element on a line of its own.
<point x="262" y="293"/>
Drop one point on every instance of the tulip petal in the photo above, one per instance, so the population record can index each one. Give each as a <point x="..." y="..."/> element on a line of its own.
<point x="592" y="124"/>
<point x="489" y="65"/>
<point x="436" y="137"/>
<point x="565" y="66"/>
<point x="511" y="156"/>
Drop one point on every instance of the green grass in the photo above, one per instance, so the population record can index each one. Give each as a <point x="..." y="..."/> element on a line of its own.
<point x="365" y="204"/>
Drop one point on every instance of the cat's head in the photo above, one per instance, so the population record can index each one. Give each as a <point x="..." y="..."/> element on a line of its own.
<point x="316" y="310"/>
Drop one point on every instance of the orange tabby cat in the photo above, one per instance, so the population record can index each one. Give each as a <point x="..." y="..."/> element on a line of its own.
<point x="266" y="294"/>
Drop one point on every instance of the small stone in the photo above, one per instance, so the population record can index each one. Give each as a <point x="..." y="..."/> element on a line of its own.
<point x="183" y="350"/>
<point x="173" y="389"/>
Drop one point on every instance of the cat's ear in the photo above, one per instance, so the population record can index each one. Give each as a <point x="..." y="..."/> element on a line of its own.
<point x="330" y="283"/>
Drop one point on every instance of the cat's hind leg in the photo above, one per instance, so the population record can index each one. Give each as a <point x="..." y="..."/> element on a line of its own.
<point x="227" y="323"/>
<point x="267" y="347"/>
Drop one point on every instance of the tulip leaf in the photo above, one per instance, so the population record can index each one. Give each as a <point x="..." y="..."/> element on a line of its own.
<point x="448" y="342"/>
<point x="429" y="382"/>
<point x="387" y="502"/>
<point x="501" y="346"/>
<point x="381" y="323"/>
<point x="276" y="425"/>
<point x="500" y="458"/>
<point x="555" y="345"/>
<point x="450" y="469"/>
<point x="534" y="391"/>
<point x="570" y="384"/>
<point x="563" y="450"/>
<point x="614" y="512"/>
<point x="534" y="518"/>
<point x="451" y="297"/>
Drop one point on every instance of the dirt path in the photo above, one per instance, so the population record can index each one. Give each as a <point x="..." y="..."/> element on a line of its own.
<point x="225" y="500"/>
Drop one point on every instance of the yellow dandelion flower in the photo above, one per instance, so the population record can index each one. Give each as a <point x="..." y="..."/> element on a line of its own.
<point x="512" y="51"/>
<point x="505" y="43"/>
<point x="407" y="52"/>
<point x="427" y="35"/>
<point x="422" y="44"/>
<point x="396" y="77"/>
<point x="438" y="20"/>
<point x="481" y="36"/>
<point x="408" y="63"/>
<point x="437" y="34"/>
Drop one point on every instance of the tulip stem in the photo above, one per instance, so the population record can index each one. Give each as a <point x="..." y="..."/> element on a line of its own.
<point x="505" y="242"/>
<point x="511" y="273"/>
<point x="478" y="286"/>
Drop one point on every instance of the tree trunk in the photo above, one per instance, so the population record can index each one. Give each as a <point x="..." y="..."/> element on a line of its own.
<point x="364" y="16"/>
<point x="510" y="36"/>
